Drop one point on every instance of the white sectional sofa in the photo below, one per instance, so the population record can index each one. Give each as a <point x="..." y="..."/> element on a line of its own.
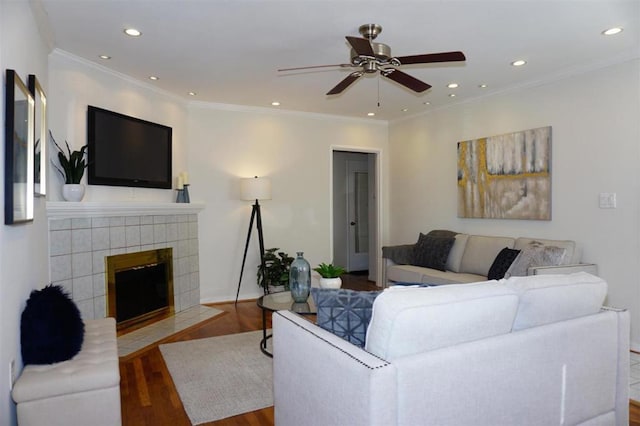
<point x="536" y="350"/>
<point x="470" y="258"/>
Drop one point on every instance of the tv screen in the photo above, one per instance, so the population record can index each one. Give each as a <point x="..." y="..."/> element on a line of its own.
<point x="127" y="151"/>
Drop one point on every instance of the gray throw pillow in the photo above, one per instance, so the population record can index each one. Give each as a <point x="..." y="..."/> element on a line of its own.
<point x="345" y="313"/>
<point x="535" y="254"/>
<point x="432" y="251"/>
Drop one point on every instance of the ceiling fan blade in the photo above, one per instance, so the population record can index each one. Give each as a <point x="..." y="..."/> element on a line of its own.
<point x="431" y="57"/>
<point x="405" y="79"/>
<point x="351" y="78"/>
<point x="362" y="46"/>
<point x="316" y="66"/>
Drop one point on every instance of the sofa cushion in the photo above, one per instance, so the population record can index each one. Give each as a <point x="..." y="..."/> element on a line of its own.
<point x="550" y="298"/>
<point x="345" y="313"/>
<point x="573" y="253"/>
<point x="455" y="255"/>
<point x="535" y="254"/>
<point x="432" y="251"/>
<point x="407" y="321"/>
<point x="502" y="262"/>
<point x="418" y="274"/>
<point x="51" y="329"/>
<point x="480" y="252"/>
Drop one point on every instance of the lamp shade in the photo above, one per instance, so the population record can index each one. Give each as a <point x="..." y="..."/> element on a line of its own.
<point x="255" y="188"/>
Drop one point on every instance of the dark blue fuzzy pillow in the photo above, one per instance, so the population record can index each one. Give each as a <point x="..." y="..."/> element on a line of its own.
<point x="51" y="329"/>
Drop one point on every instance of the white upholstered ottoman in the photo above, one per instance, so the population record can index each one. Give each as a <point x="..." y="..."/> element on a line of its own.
<point x="82" y="391"/>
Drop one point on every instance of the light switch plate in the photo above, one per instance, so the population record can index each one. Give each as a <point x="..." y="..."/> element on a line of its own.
<point x="607" y="200"/>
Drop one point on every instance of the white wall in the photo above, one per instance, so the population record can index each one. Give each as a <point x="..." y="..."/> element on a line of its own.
<point x="595" y="148"/>
<point x="295" y="151"/>
<point x="23" y="248"/>
<point x="78" y="83"/>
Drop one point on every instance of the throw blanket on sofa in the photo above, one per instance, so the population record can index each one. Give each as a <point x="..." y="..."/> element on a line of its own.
<point x="404" y="254"/>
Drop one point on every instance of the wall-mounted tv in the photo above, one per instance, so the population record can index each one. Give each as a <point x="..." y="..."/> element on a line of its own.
<point x="127" y="151"/>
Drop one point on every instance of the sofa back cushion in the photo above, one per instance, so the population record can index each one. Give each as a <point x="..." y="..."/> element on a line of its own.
<point x="572" y="252"/>
<point x="480" y="252"/>
<point x="455" y="254"/>
<point x="550" y="298"/>
<point x="407" y="321"/>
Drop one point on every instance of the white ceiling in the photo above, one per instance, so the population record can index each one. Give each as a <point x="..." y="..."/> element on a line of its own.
<point x="228" y="51"/>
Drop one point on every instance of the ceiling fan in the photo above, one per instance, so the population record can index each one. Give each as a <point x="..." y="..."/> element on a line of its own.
<point x="372" y="57"/>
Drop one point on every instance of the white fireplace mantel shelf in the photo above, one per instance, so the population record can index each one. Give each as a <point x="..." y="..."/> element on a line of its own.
<point x="65" y="209"/>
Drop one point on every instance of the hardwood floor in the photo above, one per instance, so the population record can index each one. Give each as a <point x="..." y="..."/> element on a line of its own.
<point x="149" y="397"/>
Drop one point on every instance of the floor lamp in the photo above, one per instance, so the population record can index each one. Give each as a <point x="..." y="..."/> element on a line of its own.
<point x="251" y="189"/>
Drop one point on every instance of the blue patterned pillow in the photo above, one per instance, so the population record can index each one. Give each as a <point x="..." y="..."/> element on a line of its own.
<point x="345" y="313"/>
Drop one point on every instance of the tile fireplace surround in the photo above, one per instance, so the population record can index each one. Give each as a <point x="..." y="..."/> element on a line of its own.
<point x="82" y="234"/>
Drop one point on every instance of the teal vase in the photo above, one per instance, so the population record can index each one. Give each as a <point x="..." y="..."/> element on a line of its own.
<point x="300" y="279"/>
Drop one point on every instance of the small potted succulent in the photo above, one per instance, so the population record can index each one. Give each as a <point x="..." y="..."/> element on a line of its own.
<point x="330" y="275"/>
<point x="73" y="165"/>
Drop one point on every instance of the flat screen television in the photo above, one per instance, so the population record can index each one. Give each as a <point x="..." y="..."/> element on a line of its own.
<point x="127" y="151"/>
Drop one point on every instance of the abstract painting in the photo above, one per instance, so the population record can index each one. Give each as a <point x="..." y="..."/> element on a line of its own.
<point x="506" y="176"/>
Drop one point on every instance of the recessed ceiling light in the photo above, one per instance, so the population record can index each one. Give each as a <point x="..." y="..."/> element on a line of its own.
<point x="482" y="86"/>
<point x="405" y="109"/>
<point x="192" y="93"/>
<point x="452" y="95"/>
<point x="153" y="77"/>
<point x="275" y="103"/>
<point x="612" y="31"/>
<point x="452" y="85"/>
<point x="371" y="114"/>
<point x="105" y="57"/>
<point x="132" y="32"/>
<point x="426" y="103"/>
<point x="518" y="63"/>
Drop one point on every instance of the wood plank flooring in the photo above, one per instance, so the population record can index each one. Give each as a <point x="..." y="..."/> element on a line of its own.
<point x="149" y="397"/>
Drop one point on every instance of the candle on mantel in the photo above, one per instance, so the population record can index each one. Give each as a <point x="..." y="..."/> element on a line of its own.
<point x="180" y="182"/>
<point x="185" y="178"/>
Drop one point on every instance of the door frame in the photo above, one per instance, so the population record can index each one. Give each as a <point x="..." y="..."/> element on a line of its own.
<point x="375" y="258"/>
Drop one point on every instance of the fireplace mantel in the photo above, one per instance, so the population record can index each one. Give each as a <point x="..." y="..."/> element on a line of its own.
<point x="65" y="209"/>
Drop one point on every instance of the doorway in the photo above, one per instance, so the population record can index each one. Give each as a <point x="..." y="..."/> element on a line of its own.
<point x="355" y="212"/>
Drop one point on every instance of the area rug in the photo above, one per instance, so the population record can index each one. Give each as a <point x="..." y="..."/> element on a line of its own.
<point x="220" y="377"/>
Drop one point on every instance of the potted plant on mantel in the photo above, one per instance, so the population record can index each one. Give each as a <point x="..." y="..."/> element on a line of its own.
<point x="330" y="275"/>
<point x="73" y="164"/>
<point x="275" y="276"/>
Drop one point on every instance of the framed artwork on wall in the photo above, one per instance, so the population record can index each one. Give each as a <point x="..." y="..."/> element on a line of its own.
<point x="506" y="176"/>
<point x="40" y="136"/>
<point x="18" y="168"/>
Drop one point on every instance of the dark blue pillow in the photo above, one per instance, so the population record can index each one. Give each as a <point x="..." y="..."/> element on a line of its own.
<point x="51" y="328"/>
<point x="345" y="313"/>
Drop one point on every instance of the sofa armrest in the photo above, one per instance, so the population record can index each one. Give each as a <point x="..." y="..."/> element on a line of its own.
<point x="321" y="379"/>
<point x="591" y="268"/>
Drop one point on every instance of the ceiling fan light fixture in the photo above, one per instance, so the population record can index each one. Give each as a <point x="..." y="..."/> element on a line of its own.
<point x="518" y="63"/>
<point x="612" y="31"/>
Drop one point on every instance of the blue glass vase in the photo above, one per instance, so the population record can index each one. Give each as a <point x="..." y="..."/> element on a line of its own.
<point x="300" y="279"/>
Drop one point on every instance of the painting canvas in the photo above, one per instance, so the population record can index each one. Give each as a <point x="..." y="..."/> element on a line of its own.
<point x="506" y="176"/>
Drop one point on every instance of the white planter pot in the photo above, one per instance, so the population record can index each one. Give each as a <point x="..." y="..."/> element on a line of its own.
<point x="330" y="282"/>
<point x="72" y="191"/>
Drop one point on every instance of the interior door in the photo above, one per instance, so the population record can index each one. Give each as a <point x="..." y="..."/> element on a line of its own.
<point x="358" y="215"/>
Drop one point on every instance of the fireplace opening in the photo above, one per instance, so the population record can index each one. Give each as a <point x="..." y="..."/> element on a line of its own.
<point x="139" y="286"/>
